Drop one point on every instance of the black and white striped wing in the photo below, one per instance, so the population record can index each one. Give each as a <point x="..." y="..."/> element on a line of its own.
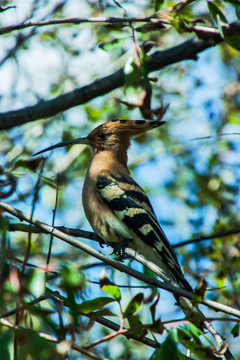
<point x="131" y="206"/>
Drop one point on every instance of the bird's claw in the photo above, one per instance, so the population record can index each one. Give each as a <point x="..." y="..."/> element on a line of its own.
<point x="118" y="249"/>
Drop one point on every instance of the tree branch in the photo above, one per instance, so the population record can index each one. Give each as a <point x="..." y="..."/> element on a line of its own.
<point x="78" y="21"/>
<point x="207" y="237"/>
<point x="92" y="236"/>
<point x="117" y="265"/>
<point x="99" y="319"/>
<point x="188" y="50"/>
<point x="50" y="338"/>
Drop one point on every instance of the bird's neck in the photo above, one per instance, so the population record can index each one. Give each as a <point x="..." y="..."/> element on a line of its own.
<point x="109" y="161"/>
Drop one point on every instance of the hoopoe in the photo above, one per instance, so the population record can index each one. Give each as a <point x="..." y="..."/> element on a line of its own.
<point x="119" y="210"/>
<point x="116" y="207"/>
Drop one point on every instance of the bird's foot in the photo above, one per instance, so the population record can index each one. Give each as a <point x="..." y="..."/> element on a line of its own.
<point x="118" y="249"/>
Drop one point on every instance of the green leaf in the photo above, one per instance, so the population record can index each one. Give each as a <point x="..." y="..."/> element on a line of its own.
<point x="158" y="4"/>
<point x="36" y="347"/>
<point x="233" y="2"/>
<point x="191" y="341"/>
<point x="134" y="305"/>
<point x="195" y="332"/>
<point x="168" y="349"/>
<point x="90" y="305"/>
<point x="235" y="330"/>
<point x="149" y="27"/>
<point x="137" y="325"/>
<point x="36" y="282"/>
<point x="31" y="164"/>
<point x="71" y="276"/>
<point x="153" y="306"/>
<point x="179" y="23"/>
<point x="108" y="287"/>
<point x="233" y="41"/>
<point x="238" y="12"/>
<point x="216" y="14"/>
<point x="6" y="344"/>
<point x="48" y="181"/>
<point x="133" y="81"/>
<point x="112" y="45"/>
<point x="104" y="312"/>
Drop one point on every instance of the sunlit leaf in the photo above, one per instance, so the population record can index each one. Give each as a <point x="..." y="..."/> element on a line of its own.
<point x="134" y="89"/>
<point x="70" y="276"/>
<point x="36" y="282"/>
<point x="109" y="287"/>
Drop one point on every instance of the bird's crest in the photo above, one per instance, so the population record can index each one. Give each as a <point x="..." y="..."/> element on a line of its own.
<point x="131" y="127"/>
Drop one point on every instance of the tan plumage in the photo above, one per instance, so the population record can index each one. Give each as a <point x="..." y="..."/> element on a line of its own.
<point x="118" y="209"/>
<point x="116" y="206"/>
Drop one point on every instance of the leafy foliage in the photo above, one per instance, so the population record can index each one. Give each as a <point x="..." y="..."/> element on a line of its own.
<point x="53" y="300"/>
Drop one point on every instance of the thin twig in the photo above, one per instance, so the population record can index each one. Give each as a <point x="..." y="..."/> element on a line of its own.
<point x="51" y="237"/>
<point x="116" y="264"/>
<point x="214" y="136"/>
<point x="91" y="236"/>
<point x="23" y="307"/>
<point x="35" y="197"/>
<point x="101" y="320"/>
<point x="208" y="237"/>
<point x="77" y="21"/>
<point x="36" y="230"/>
<point x="50" y="338"/>
<point x="107" y="338"/>
<point x="187" y="50"/>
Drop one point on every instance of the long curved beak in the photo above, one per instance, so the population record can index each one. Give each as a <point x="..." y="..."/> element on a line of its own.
<point x="84" y="140"/>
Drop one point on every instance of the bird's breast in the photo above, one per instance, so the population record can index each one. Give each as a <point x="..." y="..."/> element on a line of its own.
<point x="101" y="218"/>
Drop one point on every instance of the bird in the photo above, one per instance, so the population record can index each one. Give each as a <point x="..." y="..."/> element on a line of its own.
<point x="118" y="209"/>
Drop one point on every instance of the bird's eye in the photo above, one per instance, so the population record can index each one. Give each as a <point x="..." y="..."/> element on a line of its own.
<point x="101" y="136"/>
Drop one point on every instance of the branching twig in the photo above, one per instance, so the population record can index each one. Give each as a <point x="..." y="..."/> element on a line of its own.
<point x="188" y="50"/>
<point x="207" y="237"/>
<point x="35" y="197"/>
<point x="91" y="236"/>
<point x="77" y="21"/>
<point x="99" y="319"/>
<point x="50" y="338"/>
<point x="117" y="265"/>
<point x="51" y="238"/>
<point x="6" y="8"/>
<point x="215" y="136"/>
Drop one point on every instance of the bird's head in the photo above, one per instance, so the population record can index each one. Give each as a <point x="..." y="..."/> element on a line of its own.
<point x="113" y="135"/>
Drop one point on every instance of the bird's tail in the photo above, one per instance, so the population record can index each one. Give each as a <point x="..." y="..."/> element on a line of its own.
<point x="193" y="313"/>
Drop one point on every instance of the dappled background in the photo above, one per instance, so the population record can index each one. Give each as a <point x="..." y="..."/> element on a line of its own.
<point x="189" y="167"/>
